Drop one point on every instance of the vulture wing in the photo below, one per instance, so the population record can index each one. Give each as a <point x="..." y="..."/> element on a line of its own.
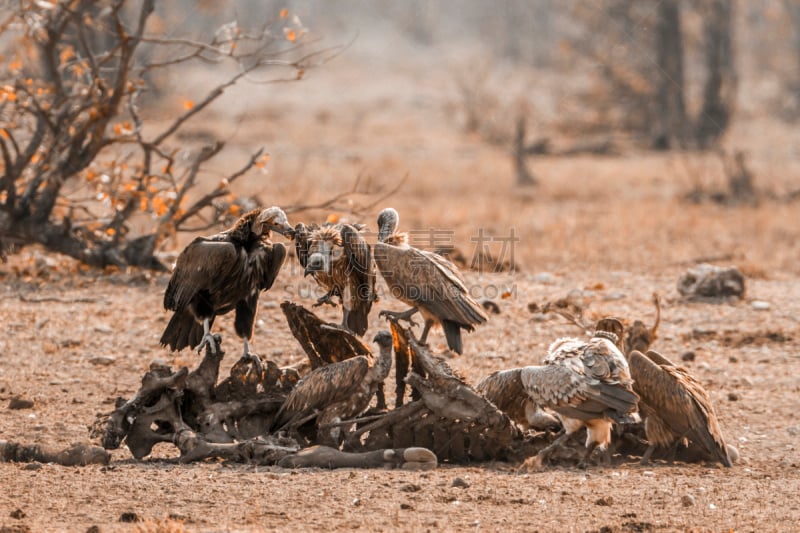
<point x="679" y="401"/>
<point x="429" y="281"/>
<point x="322" y="387"/>
<point x="205" y="264"/>
<point x="302" y="242"/>
<point x="360" y="283"/>
<point x="505" y="390"/>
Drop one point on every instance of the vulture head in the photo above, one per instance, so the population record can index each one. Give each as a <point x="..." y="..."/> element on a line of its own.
<point x="272" y="219"/>
<point x="383" y="339"/>
<point x="325" y="248"/>
<point x="388" y="220"/>
<point x="610" y="328"/>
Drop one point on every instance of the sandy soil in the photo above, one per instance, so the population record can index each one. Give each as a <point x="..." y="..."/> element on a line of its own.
<point x="613" y="229"/>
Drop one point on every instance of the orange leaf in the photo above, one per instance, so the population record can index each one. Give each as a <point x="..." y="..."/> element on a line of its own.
<point x="66" y="54"/>
<point x="234" y="209"/>
<point x="506" y="295"/>
<point x="284" y="13"/>
<point x="4" y="134"/>
<point x="290" y="34"/>
<point x="333" y="218"/>
<point x="16" y="64"/>
<point x="187" y="104"/>
<point x="111" y="232"/>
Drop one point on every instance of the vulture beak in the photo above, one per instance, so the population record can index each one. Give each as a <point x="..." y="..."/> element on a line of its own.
<point x="316" y="263"/>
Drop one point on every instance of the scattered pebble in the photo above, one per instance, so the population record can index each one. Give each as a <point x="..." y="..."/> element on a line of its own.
<point x="102" y="360"/>
<point x="93" y="529"/>
<point x="760" y="305"/>
<point x="17" y="514"/>
<point x="688" y="356"/>
<point x="614" y="296"/>
<point x="102" y="328"/>
<point x="793" y="431"/>
<point x="605" y="501"/>
<point x="733" y="359"/>
<point x="687" y="500"/>
<point x="410" y="487"/>
<point x="545" y="278"/>
<point x="129" y="517"/>
<point x="733" y="397"/>
<point x="458" y="482"/>
<point x="356" y="502"/>
<point x="733" y="453"/>
<point x="20" y="403"/>
<point x="32" y="466"/>
<point x="406" y="506"/>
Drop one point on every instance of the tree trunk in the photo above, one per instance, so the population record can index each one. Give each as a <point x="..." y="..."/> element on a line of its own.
<point x="719" y="93"/>
<point x="671" y="125"/>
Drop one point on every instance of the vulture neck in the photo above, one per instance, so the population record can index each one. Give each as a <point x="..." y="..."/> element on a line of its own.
<point x="397" y="238"/>
<point x="242" y="232"/>
<point x="380" y="369"/>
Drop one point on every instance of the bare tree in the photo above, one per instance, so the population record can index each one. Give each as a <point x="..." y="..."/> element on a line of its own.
<point x="78" y="164"/>
<point x="671" y="123"/>
<point x="719" y="92"/>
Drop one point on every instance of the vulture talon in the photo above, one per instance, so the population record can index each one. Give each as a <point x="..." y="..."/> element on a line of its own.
<point x="400" y="315"/>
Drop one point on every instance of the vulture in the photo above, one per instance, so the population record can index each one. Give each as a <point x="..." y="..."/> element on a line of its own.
<point x="221" y="273"/>
<point x="340" y="261"/>
<point x="426" y="281"/>
<point x="587" y="384"/>
<point x="675" y="406"/>
<point x="505" y="390"/>
<point x="336" y="392"/>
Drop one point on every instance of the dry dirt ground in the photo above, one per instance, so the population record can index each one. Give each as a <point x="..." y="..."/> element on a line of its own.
<point x="609" y="230"/>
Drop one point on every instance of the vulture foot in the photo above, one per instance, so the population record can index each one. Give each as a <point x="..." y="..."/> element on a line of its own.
<point x="326" y="299"/>
<point x="208" y="339"/>
<point x="397" y="315"/>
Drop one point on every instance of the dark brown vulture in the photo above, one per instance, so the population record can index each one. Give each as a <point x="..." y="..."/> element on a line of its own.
<point x="340" y="261"/>
<point x="675" y="406"/>
<point x="587" y="384"/>
<point x="505" y="390"/>
<point x="221" y="273"/>
<point x="426" y="281"/>
<point x="336" y="392"/>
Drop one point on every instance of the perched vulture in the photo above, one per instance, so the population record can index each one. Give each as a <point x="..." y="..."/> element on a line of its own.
<point x="586" y="384"/>
<point x="426" y="281"/>
<point x="224" y="272"/>
<point x="505" y="390"/>
<point x="340" y="261"/>
<point x="336" y="392"/>
<point x="675" y="406"/>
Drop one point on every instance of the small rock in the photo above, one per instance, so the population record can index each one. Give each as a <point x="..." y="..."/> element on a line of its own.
<point x="17" y="514"/>
<point x="32" y="466"/>
<point x="458" y="482"/>
<point x="605" y="501"/>
<point x="270" y="304"/>
<point x="20" y="403"/>
<point x="102" y="328"/>
<point x="545" y="278"/>
<point x="93" y="529"/>
<point x="688" y="356"/>
<point x="760" y="305"/>
<point x="129" y="517"/>
<point x="733" y="359"/>
<point x="410" y="487"/>
<point x="733" y="397"/>
<point x="406" y="506"/>
<point x="687" y="500"/>
<point x="614" y="296"/>
<point x="356" y="502"/>
<point x="102" y="360"/>
<point x="793" y="431"/>
<point x="733" y="453"/>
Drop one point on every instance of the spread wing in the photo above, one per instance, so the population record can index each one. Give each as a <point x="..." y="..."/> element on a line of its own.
<point x="679" y="401"/>
<point x="360" y="283"/>
<point x="205" y="264"/>
<point x="322" y="387"/>
<point x="429" y="281"/>
<point x="577" y="394"/>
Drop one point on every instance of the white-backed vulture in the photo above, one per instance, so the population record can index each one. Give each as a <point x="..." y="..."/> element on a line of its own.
<point x="340" y="261"/>
<point x="587" y="384"/>
<point x="426" y="281"/>
<point x="221" y="273"/>
<point x="336" y="392"/>
<point x="675" y="406"/>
